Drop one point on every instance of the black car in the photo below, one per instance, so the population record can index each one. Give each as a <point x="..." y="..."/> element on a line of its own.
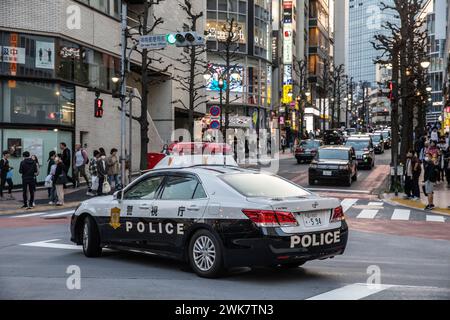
<point x="333" y="138"/>
<point x="378" y="143"/>
<point x="307" y="150"/>
<point x="386" y="137"/>
<point x="334" y="164"/>
<point x="364" y="151"/>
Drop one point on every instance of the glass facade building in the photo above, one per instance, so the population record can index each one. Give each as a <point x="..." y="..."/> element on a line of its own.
<point x="365" y="21"/>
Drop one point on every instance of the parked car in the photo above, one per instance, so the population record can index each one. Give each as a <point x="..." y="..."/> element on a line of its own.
<point x="307" y="150"/>
<point x="336" y="164"/>
<point x="387" y="138"/>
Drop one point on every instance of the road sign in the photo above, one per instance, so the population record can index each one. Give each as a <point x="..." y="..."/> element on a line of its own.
<point x="157" y="41"/>
<point x="214" y="111"/>
<point x="215" y="124"/>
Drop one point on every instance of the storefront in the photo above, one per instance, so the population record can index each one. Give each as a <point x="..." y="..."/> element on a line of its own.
<point x="38" y="80"/>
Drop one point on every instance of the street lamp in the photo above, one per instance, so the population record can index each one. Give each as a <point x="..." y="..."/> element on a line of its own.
<point x="425" y="64"/>
<point x="115" y="79"/>
<point x="429" y="89"/>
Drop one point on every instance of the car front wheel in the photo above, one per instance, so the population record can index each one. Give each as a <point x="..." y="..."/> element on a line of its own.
<point x="91" y="239"/>
<point x="205" y="254"/>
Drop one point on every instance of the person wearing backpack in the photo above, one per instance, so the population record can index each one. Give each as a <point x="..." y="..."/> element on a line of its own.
<point x="80" y="160"/>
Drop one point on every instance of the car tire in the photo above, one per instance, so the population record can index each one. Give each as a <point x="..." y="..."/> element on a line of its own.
<point x="299" y="161"/>
<point x="90" y="239"/>
<point x="311" y="182"/>
<point x="201" y="261"/>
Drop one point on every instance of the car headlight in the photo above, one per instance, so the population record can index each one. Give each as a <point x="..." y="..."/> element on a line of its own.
<point x="343" y="167"/>
<point x="313" y="166"/>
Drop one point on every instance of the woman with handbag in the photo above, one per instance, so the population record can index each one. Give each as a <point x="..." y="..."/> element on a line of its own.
<point x="60" y="179"/>
<point x="102" y="173"/>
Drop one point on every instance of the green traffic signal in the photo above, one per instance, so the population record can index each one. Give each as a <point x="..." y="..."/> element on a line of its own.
<point x="171" y="38"/>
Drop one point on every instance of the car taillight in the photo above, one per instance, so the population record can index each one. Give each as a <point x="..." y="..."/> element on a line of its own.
<point x="300" y="150"/>
<point x="269" y="218"/>
<point x="338" y="215"/>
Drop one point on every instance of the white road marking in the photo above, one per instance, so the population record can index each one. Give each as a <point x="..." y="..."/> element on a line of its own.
<point x="48" y="244"/>
<point x="431" y="218"/>
<point x="401" y="214"/>
<point x="59" y="214"/>
<point x="29" y="215"/>
<point x="348" y="203"/>
<point x="339" y="190"/>
<point x="367" y="214"/>
<point x="375" y="204"/>
<point x="354" y="291"/>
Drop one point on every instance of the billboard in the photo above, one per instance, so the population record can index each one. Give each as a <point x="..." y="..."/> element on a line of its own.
<point x="236" y="78"/>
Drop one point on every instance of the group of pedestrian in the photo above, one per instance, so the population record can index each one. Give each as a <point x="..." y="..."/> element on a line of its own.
<point x="431" y="156"/>
<point x="100" y="173"/>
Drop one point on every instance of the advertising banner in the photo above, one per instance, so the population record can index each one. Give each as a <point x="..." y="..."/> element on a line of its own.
<point x="45" y="53"/>
<point x="12" y="55"/>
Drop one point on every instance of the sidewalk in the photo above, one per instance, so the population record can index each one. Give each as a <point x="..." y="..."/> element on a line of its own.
<point x="441" y="199"/>
<point x="72" y="197"/>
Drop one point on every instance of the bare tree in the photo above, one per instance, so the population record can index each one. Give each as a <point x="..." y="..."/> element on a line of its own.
<point x="141" y="26"/>
<point x="190" y="80"/>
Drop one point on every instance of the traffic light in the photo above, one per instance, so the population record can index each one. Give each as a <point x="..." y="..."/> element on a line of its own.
<point x="393" y="91"/>
<point x="98" y="108"/>
<point x="185" y="39"/>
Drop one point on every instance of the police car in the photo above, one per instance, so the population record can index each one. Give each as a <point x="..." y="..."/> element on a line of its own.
<point x="214" y="216"/>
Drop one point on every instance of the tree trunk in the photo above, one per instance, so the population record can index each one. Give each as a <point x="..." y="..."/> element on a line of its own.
<point x="143" y="120"/>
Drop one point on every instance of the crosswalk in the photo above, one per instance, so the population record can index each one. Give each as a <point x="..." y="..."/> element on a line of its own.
<point x="371" y="210"/>
<point x="353" y="208"/>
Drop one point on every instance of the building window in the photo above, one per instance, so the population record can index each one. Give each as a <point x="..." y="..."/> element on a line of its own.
<point x="24" y="102"/>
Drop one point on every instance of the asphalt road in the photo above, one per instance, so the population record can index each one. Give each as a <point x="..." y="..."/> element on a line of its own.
<point x="416" y="269"/>
<point x="406" y="252"/>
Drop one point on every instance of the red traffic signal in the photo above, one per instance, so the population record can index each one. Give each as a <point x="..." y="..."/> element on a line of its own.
<point x="98" y="108"/>
<point x="393" y="93"/>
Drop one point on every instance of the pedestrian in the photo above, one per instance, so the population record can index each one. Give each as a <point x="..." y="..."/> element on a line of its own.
<point x="5" y="169"/>
<point x="60" y="179"/>
<point x="416" y="172"/>
<point x="93" y="173"/>
<point x="102" y="172"/>
<point x="66" y="159"/>
<point x="447" y="138"/>
<point x="447" y="165"/>
<point x="102" y="151"/>
<point x="28" y="169"/>
<point x="51" y="178"/>
<point x="50" y="164"/>
<point x="80" y="160"/>
<point x="112" y="168"/>
<point x="283" y="144"/>
<point x="408" y="175"/>
<point x="434" y="136"/>
<point x="430" y="180"/>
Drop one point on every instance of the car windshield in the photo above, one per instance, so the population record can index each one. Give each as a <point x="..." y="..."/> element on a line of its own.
<point x="358" y="145"/>
<point x="376" y="138"/>
<point x="386" y="134"/>
<point x="333" y="154"/>
<point x="310" y="144"/>
<point x="263" y="185"/>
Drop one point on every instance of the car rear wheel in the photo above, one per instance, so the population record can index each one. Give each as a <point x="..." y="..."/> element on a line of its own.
<point x="91" y="239"/>
<point x="205" y="254"/>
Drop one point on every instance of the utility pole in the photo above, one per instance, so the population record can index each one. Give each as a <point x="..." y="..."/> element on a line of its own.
<point x="123" y="91"/>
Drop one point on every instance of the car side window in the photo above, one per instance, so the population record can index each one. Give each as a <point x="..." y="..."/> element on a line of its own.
<point x="200" y="192"/>
<point x="179" y="188"/>
<point x="144" y="189"/>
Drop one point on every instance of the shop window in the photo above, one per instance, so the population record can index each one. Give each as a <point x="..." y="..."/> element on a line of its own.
<point x="37" y="103"/>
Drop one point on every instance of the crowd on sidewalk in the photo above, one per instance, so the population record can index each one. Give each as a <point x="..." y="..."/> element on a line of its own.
<point x="430" y="159"/>
<point x="101" y="173"/>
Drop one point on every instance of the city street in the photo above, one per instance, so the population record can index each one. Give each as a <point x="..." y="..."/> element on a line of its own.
<point x="409" y="248"/>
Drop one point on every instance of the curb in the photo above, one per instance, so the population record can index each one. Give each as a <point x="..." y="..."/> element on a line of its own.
<point x="441" y="211"/>
<point x="42" y="208"/>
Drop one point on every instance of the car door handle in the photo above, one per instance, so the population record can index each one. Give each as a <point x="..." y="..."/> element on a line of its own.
<point x="144" y="206"/>
<point x="193" y="208"/>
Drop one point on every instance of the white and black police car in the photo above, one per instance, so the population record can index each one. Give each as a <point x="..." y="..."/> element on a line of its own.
<point x="214" y="217"/>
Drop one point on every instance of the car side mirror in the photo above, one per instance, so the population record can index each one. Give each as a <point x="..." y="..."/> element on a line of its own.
<point x="118" y="195"/>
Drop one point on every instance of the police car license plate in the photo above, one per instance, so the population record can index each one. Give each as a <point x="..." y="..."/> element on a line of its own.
<point x="328" y="173"/>
<point x="313" y="219"/>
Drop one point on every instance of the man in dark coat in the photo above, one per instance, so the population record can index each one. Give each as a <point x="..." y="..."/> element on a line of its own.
<point x="28" y="170"/>
<point x="66" y="158"/>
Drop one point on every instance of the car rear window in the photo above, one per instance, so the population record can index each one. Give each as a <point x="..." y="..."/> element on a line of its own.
<point x="263" y="185"/>
<point x="331" y="154"/>
<point x="310" y="144"/>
